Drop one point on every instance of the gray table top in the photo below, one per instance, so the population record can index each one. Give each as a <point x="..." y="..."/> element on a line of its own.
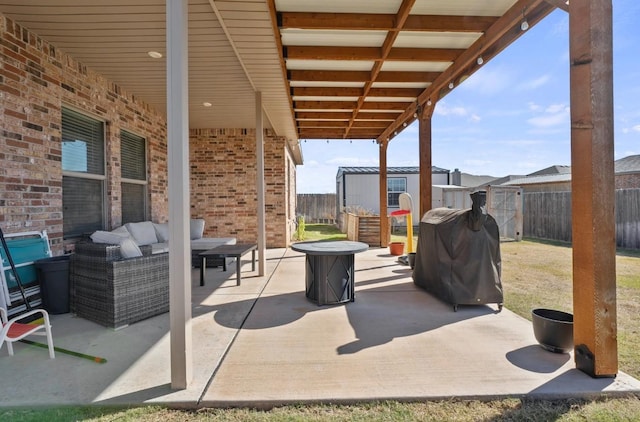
<point x="340" y="247"/>
<point x="237" y="249"/>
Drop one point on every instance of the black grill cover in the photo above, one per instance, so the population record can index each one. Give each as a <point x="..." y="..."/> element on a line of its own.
<point x="458" y="255"/>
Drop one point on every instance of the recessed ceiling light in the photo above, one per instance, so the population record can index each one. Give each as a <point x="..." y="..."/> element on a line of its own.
<point x="207" y="104"/>
<point x="155" y="54"/>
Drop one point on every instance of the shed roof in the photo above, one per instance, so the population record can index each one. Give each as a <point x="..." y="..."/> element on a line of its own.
<point x="390" y="170"/>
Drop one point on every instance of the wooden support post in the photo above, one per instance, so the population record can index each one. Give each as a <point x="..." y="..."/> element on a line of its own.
<point x="593" y="188"/>
<point x="426" y="172"/>
<point x="384" y="219"/>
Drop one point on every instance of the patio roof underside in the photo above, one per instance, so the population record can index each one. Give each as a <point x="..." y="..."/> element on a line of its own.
<point x="358" y="69"/>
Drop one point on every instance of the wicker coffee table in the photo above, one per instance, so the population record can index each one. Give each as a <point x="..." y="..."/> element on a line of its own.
<point x="228" y="251"/>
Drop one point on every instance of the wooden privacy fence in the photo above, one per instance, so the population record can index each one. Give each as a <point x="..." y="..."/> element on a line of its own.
<point x="317" y="207"/>
<point x="547" y="215"/>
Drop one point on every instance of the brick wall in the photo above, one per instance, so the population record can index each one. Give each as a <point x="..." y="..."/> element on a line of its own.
<point x="36" y="80"/>
<point x="627" y="180"/>
<point x="223" y="184"/>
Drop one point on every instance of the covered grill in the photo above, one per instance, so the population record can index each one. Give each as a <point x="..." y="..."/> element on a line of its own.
<point x="458" y="255"/>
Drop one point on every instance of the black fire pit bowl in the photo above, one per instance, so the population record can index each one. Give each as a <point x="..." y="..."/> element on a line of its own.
<point x="553" y="330"/>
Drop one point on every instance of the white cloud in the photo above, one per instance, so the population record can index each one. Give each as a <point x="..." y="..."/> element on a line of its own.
<point x="489" y="81"/>
<point x="556" y="108"/>
<point x="475" y="118"/>
<point x="554" y="115"/>
<point x="532" y="84"/>
<point x="548" y="120"/>
<point x="636" y="128"/>
<point x="534" y="107"/>
<point x="443" y="110"/>
<point x="521" y="142"/>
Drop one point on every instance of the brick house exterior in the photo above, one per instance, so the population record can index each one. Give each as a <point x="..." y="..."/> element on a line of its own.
<point x="223" y="184"/>
<point x="37" y="80"/>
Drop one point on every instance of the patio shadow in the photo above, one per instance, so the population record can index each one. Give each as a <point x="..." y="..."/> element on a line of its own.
<point x="535" y="359"/>
<point x="382" y="314"/>
<point x="377" y="316"/>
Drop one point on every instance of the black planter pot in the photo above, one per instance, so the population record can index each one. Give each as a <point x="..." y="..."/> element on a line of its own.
<point x="553" y="329"/>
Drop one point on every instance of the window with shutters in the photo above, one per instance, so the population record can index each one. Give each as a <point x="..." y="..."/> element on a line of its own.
<point x="134" y="177"/>
<point x="83" y="174"/>
<point x="395" y="186"/>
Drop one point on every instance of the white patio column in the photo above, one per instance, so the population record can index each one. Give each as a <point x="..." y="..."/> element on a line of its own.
<point x="262" y="235"/>
<point x="179" y="198"/>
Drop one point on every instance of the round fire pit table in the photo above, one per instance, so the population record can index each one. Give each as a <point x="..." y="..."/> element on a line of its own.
<point x="329" y="270"/>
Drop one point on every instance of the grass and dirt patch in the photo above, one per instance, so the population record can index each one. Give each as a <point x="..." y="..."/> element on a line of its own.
<point x="534" y="274"/>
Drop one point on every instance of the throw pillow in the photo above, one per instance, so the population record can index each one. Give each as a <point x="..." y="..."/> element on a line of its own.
<point x="162" y="232"/>
<point x="122" y="230"/>
<point x="129" y="249"/>
<point x="143" y="232"/>
<point x="197" y="228"/>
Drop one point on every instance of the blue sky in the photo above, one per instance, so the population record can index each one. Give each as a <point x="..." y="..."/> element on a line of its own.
<point x="510" y="117"/>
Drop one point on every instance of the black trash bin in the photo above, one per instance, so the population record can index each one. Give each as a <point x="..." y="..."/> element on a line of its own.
<point x="53" y="275"/>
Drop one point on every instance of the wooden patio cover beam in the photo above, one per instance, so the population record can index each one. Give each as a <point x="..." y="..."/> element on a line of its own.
<point x="355" y="92"/>
<point x="400" y="19"/>
<point x="378" y="124"/>
<point x="337" y="133"/>
<point x="371" y="53"/>
<point x="345" y="115"/>
<point x="502" y="33"/>
<point x="351" y="105"/>
<point x="384" y="22"/>
<point x="360" y="76"/>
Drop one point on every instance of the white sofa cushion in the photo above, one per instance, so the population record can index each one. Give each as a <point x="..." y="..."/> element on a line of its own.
<point x="121" y="230"/>
<point x="108" y="237"/>
<point x="162" y="231"/>
<point x="159" y="248"/>
<point x="196" y="228"/>
<point x="128" y="248"/>
<point x="143" y="232"/>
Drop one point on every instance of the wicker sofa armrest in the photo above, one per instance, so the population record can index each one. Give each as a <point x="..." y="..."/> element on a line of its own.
<point x="117" y="292"/>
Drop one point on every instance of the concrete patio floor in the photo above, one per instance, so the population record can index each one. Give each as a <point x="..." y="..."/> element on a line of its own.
<point x="263" y="344"/>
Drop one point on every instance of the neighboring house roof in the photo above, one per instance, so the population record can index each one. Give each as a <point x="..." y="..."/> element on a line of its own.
<point x="390" y="170"/>
<point x="630" y="164"/>
<point x="557" y="174"/>
<point x="534" y="180"/>
<point x="551" y="170"/>
<point x="505" y="179"/>
<point x="472" y="180"/>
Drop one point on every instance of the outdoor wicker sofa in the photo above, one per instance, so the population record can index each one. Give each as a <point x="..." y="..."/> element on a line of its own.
<point x="115" y="292"/>
<point x="122" y="276"/>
